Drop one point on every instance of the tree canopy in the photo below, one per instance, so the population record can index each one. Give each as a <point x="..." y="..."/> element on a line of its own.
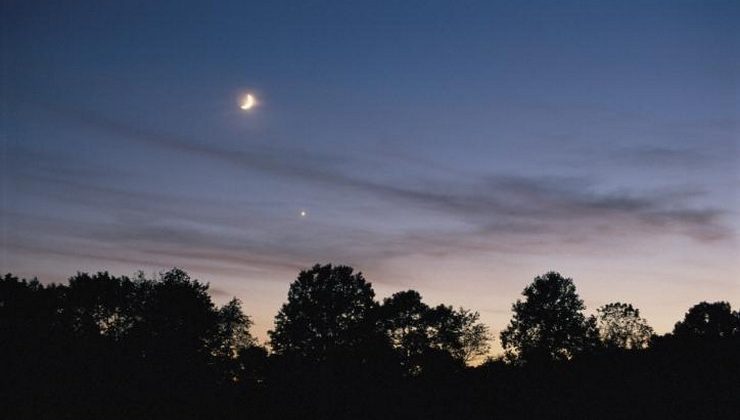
<point x="709" y="320"/>
<point x="417" y="331"/>
<point x="121" y="342"/>
<point x="621" y="327"/>
<point x="105" y="346"/>
<point x="330" y="309"/>
<point x="548" y="324"/>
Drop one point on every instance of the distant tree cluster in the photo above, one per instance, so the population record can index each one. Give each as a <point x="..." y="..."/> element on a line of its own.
<point x="549" y="324"/>
<point x="332" y="311"/>
<point x="711" y="321"/>
<point x="112" y="347"/>
<point x="160" y="338"/>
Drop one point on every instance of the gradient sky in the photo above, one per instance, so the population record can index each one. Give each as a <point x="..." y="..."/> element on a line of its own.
<point x="457" y="148"/>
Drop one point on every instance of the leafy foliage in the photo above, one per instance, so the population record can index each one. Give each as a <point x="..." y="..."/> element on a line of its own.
<point x="548" y="324"/>
<point x="710" y="321"/>
<point x="403" y="319"/>
<point x="459" y="332"/>
<point x="621" y="327"/>
<point x="417" y="331"/>
<point x="329" y="309"/>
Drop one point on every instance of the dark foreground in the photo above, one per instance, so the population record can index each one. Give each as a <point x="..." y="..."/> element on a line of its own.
<point x="114" y="348"/>
<point x="697" y="382"/>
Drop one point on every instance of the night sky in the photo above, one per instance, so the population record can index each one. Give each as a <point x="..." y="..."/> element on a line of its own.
<point x="457" y="148"/>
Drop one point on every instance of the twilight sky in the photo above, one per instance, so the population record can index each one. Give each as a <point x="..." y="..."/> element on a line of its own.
<point x="457" y="148"/>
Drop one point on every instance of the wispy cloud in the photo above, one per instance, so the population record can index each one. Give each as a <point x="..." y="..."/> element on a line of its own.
<point x="492" y="194"/>
<point x="491" y="213"/>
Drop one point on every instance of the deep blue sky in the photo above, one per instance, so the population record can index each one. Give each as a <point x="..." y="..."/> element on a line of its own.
<point x="459" y="148"/>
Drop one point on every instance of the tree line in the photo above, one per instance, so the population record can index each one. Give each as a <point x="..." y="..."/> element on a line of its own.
<point x="104" y="346"/>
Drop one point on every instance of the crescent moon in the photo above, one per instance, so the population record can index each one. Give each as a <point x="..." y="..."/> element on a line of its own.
<point x="248" y="103"/>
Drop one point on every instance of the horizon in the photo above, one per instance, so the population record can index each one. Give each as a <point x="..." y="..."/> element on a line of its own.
<point x="459" y="151"/>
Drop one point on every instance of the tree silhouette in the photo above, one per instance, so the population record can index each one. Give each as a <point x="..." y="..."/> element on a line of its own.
<point x="404" y="319"/>
<point x="98" y="305"/>
<point x="233" y="330"/>
<point x="153" y="345"/>
<point x="330" y="309"/>
<point x="549" y="324"/>
<point x="417" y="331"/>
<point x="176" y="319"/>
<point x="102" y="346"/>
<point x="458" y="332"/>
<point x="621" y="327"/>
<point x="27" y="309"/>
<point x="475" y="337"/>
<point x="709" y="321"/>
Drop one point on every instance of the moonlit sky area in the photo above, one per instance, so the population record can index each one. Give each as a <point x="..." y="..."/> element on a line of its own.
<point x="457" y="148"/>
